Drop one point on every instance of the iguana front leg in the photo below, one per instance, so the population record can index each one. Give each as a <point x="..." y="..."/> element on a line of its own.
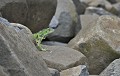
<point x="39" y="45"/>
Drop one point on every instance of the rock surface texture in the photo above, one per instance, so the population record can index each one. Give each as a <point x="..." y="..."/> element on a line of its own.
<point x="2" y="73"/>
<point x="35" y="14"/>
<point x="18" y="54"/>
<point x="85" y="41"/>
<point x="68" y="21"/>
<point x="85" y="20"/>
<point x="113" y="69"/>
<point x="99" y="42"/>
<point x="62" y="58"/>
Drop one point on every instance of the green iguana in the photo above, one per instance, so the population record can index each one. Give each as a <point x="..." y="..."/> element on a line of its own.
<point x="38" y="37"/>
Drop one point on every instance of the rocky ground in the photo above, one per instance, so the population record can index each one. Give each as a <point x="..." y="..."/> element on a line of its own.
<point x="86" y="40"/>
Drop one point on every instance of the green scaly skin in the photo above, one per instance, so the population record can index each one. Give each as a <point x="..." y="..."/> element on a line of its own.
<point x="38" y="37"/>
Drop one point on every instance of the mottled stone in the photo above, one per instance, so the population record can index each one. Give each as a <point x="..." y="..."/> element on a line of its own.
<point x="113" y="69"/>
<point x="68" y="21"/>
<point x="18" y="54"/>
<point x="35" y="14"/>
<point x="99" y="42"/>
<point x="65" y="30"/>
<point x="61" y="58"/>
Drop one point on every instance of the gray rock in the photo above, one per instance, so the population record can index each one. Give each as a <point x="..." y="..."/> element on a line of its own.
<point x="61" y="58"/>
<point x="97" y="10"/>
<point x="80" y="7"/>
<point x="20" y="27"/>
<point x="65" y="30"/>
<point x="54" y="72"/>
<point x="18" y="54"/>
<point x="40" y="13"/>
<point x="35" y="14"/>
<point x="9" y="10"/>
<point x="99" y="42"/>
<point x="67" y="7"/>
<point x="113" y="69"/>
<point x="75" y="71"/>
<point x="85" y="20"/>
<point x="53" y="43"/>
<point x="84" y="71"/>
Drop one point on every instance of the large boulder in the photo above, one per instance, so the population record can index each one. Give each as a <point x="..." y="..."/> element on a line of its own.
<point x="65" y="30"/>
<point x="18" y="54"/>
<point x="35" y="14"/>
<point x="68" y="20"/>
<point x="113" y="69"/>
<point x="99" y="42"/>
<point x="14" y="10"/>
<point x="40" y="13"/>
<point x="62" y="58"/>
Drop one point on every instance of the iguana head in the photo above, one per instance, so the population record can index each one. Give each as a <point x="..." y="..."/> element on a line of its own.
<point x="47" y="31"/>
